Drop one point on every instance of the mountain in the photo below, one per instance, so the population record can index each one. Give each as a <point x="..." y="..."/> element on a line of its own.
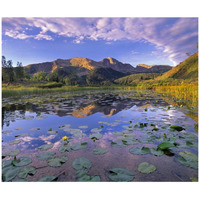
<point x="82" y="66"/>
<point x="186" y="70"/>
<point x="143" y="68"/>
<point x="79" y="62"/>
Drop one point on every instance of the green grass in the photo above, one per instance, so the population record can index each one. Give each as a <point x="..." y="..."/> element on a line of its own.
<point x="11" y="90"/>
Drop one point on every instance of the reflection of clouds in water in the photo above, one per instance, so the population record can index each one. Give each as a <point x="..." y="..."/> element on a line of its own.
<point x="106" y="137"/>
<point x="56" y="145"/>
<point x="28" y="139"/>
<point x="47" y="138"/>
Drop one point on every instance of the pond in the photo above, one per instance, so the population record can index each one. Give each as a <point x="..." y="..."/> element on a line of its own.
<point x="110" y="135"/>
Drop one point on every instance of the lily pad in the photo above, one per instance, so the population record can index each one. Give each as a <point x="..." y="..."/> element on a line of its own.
<point x="139" y="150"/>
<point x="81" y="172"/>
<point x="17" y="129"/>
<point x="19" y="180"/>
<point x="10" y="174"/>
<point x="78" y="146"/>
<point x="177" y="128"/>
<point x="8" y="131"/>
<point x="24" y="172"/>
<point x="14" y="142"/>
<point x="87" y="178"/>
<point x="21" y="161"/>
<point x="194" y="179"/>
<point x="46" y="155"/>
<point x="165" y="145"/>
<point x="45" y="147"/>
<point x="81" y="163"/>
<point x="146" y="168"/>
<point x="52" y="132"/>
<point x="96" y="130"/>
<point x="188" y="159"/>
<point x="120" y="175"/>
<point x="35" y="129"/>
<point x="96" y="136"/>
<point x="65" y="147"/>
<point x="57" y="162"/>
<point x="117" y="144"/>
<point x="156" y="152"/>
<point x="48" y="179"/>
<point x="7" y="163"/>
<point x="22" y="135"/>
<point x="100" y="151"/>
<point x="14" y="152"/>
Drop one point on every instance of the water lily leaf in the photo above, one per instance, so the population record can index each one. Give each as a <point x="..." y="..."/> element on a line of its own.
<point x="81" y="172"/>
<point x="83" y="127"/>
<point x="87" y="178"/>
<point x="10" y="174"/>
<point x="45" y="147"/>
<point x="188" y="159"/>
<point x="139" y="150"/>
<point x="177" y="128"/>
<point x="96" y="130"/>
<point x="14" y="142"/>
<point x="41" y="117"/>
<point x="117" y="144"/>
<point x="96" y="136"/>
<point x="78" y="146"/>
<point x="120" y="175"/>
<point x="8" y="131"/>
<point x="14" y="152"/>
<point x="194" y="179"/>
<point x="57" y="162"/>
<point x="48" y="179"/>
<point x="117" y="133"/>
<point x="65" y="147"/>
<point x="21" y="161"/>
<point x="100" y="151"/>
<point x="156" y="152"/>
<point x="46" y="155"/>
<point x="24" y="172"/>
<point x="35" y="129"/>
<point x="22" y="135"/>
<point x="19" y="180"/>
<point x="17" y="129"/>
<point x="165" y="145"/>
<point x="7" y="163"/>
<point x="146" y="168"/>
<point x="81" y="163"/>
<point x="52" y="132"/>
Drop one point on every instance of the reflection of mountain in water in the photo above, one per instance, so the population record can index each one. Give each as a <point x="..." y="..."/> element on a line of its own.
<point x="81" y="105"/>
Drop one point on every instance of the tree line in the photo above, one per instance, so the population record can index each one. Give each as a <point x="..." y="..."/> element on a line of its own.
<point x="11" y="74"/>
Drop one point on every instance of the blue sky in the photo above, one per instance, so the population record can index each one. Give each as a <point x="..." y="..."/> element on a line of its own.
<point x="130" y="40"/>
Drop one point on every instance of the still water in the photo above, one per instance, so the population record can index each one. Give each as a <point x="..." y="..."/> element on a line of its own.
<point x="113" y="132"/>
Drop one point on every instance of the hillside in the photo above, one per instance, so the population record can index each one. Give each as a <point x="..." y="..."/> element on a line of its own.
<point x="136" y="78"/>
<point x="186" y="70"/>
<point x="103" y="76"/>
<point x="143" y="68"/>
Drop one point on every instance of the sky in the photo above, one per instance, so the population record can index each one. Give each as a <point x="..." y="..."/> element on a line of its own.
<point x="129" y="40"/>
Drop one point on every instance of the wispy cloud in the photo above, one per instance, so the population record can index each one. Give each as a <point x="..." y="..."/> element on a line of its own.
<point x="174" y="36"/>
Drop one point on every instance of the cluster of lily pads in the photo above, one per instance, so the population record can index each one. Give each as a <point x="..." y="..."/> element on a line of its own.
<point x="175" y="140"/>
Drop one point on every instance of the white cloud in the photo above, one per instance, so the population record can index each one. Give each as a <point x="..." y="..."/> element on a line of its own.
<point x="172" y="36"/>
<point x="41" y="36"/>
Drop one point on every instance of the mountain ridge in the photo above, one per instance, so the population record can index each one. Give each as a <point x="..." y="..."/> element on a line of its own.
<point x="89" y="64"/>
